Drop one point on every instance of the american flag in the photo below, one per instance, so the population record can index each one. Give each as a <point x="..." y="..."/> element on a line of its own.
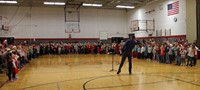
<point x="173" y="8"/>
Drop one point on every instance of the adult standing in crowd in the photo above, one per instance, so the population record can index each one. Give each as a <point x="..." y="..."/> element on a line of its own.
<point x="127" y="52"/>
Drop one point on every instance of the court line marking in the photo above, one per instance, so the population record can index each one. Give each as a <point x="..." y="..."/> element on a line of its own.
<point x="129" y="85"/>
<point x="84" y="85"/>
<point x="182" y="80"/>
<point x="109" y="76"/>
<point x="55" y="82"/>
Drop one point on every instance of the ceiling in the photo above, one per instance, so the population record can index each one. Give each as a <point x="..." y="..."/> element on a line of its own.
<point x="108" y="4"/>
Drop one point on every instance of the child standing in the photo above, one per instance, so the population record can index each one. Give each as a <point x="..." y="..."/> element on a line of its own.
<point x="162" y="54"/>
<point x="139" y="52"/>
<point x="154" y="52"/>
<point x="177" y="54"/>
<point x="150" y="48"/>
<point x="11" y="65"/>
<point x="182" y="55"/>
<point x="158" y="53"/>
<point x="191" y="55"/>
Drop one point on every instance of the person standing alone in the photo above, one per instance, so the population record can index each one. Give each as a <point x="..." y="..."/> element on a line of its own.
<point x="126" y="52"/>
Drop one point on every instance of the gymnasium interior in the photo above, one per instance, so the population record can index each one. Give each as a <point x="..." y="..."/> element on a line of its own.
<point x="80" y="44"/>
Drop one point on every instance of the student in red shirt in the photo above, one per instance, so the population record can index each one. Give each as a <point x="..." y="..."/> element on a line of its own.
<point x="162" y="54"/>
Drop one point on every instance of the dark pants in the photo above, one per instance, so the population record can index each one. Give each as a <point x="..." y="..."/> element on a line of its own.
<point x="150" y="55"/>
<point x="124" y="55"/>
<point x="195" y="61"/>
<point x="10" y="74"/>
<point x="1" y="67"/>
<point x="162" y="59"/>
<point x="140" y="55"/>
<point x="170" y="58"/>
<point x="191" y="61"/>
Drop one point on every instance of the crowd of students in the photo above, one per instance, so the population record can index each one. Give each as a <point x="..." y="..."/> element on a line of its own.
<point x="177" y="52"/>
<point x="76" y="48"/>
<point x="14" y="57"/>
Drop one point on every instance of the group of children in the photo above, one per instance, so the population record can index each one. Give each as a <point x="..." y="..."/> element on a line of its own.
<point x="166" y="52"/>
<point x="74" y="48"/>
<point x="14" y="57"/>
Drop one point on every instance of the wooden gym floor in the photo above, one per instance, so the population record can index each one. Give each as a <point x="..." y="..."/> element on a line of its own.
<point x="91" y="72"/>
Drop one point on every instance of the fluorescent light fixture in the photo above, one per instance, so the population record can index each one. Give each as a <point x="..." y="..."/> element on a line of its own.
<point x="131" y="7"/>
<point x="59" y="3"/>
<point x="54" y="3"/>
<point x="49" y="3"/>
<point x="97" y="5"/>
<point x="119" y="6"/>
<point x="128" y="7"/>
<point x="93" y="5"/>
<point x="9" y="2"/>
<point x="85" y="4"/>
<point x="2" y="1"/>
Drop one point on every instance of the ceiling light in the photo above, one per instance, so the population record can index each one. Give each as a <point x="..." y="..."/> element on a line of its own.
<point x="97" y="5"/>
<point x="2" y="1"/>
<point x="54" y="3"/>
<point x="49" y="3"/>
<point x="59" y="3"/>
<point x="85" y="4"/>
<point x="128" y="7"/>
<point x="119" y="6"/>
<point x="9" y="2"/>
<point x="94" y="5"/>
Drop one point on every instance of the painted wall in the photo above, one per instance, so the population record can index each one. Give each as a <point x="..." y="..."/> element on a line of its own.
<point x="191" y="22"/>
<point x="48" y="22"/>
<point x="162" y="20"/>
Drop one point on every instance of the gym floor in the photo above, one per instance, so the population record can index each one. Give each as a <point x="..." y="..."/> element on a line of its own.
<point x="92" y="72"/>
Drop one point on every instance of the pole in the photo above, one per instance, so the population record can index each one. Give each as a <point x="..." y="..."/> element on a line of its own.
<point x="112" y="62"/>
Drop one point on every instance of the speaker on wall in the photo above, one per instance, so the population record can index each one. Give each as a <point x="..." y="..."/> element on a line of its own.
<point x="117" y="39"/>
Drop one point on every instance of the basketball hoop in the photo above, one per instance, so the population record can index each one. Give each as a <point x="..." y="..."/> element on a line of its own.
<point x="72" y="21"/>
<point x="143" y="25"/>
